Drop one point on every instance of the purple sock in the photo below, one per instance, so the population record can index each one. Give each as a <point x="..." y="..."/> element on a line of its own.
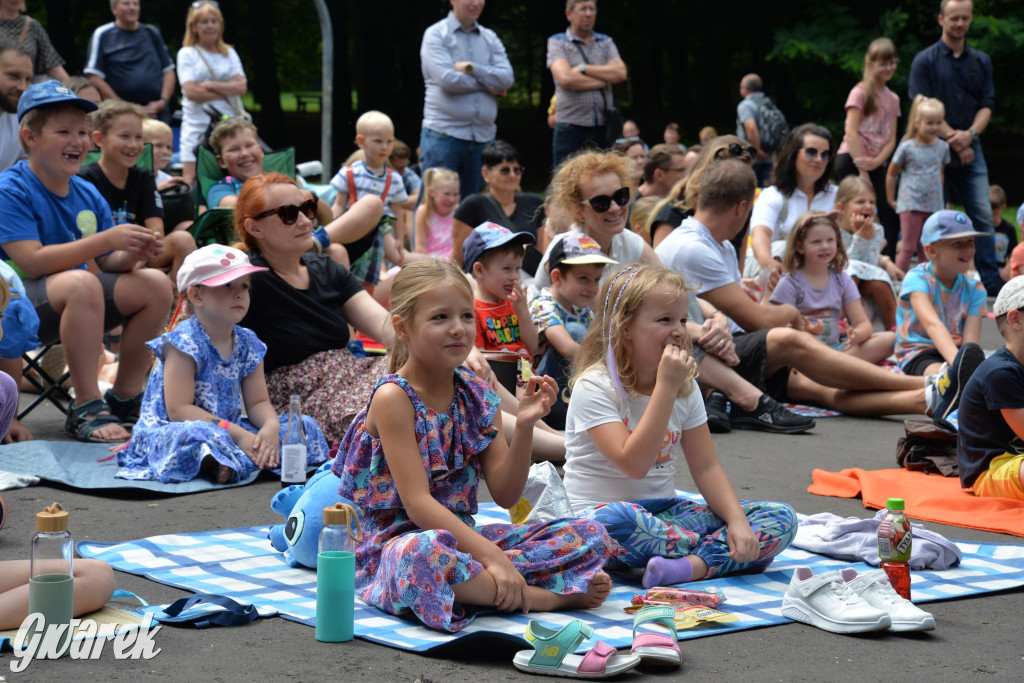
<point x="662" y="571"/>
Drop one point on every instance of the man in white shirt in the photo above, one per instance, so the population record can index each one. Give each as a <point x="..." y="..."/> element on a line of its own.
<point x="768" y="338"/>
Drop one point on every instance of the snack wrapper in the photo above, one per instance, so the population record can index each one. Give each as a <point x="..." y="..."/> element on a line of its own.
<point x="544" y="497"/>
<point x="659" y="595"/>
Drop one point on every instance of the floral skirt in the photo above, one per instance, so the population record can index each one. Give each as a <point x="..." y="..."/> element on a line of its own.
<point x="333" y="385"/>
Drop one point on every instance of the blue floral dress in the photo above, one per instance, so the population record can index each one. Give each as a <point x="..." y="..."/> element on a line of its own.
<point x="171" y="451"/>
<point x="400" y="567"/>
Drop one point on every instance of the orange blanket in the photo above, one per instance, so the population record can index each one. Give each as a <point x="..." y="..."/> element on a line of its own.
<point x="928" y="497"/>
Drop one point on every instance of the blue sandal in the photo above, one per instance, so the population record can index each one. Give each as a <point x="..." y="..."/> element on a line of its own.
<point x="82" y="428"/>
<point x="126" y="409"/>
<point x="553" y="653"/>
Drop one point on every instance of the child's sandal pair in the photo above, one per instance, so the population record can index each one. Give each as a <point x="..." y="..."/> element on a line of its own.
<point x="553" y="653"/>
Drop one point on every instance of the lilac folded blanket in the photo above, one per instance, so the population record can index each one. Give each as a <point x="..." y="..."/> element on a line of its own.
<point x="854" y="539"/>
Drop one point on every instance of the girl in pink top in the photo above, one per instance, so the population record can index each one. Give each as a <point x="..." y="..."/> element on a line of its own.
<point x="434" y="217"/>
<point x="870" y="131"/>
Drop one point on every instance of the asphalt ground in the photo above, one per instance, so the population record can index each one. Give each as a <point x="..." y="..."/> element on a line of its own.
<point x="975" y="638"/>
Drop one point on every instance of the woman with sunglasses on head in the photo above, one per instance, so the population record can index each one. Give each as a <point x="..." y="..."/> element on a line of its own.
<point x="503" y="203"/>
<point x="595" y="189"/>
<point x="802" y="182"/>
<point x="210" y="73"/>
<point x="682" y="200"/>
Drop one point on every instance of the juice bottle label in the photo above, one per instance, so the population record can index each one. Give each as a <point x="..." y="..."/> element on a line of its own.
<point x="894" y="538"/>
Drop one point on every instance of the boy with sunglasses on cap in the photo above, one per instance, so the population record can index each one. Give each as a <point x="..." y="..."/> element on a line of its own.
<point x="561" y="313"/>
<point x="493" y="255"/>
<point x="990" y="445"/>
<point x="81" y="271"/>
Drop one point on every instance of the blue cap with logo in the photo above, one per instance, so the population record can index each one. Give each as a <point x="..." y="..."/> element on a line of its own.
<point x="489" y="236"/>
<point x="51" y="92"/>
<point x="948" y="225"/>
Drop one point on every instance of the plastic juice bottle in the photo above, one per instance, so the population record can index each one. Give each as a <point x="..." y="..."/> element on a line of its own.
<point x="293" y="450"/>
<point x="335" y="574"/>
<point x="895" y="537"/>
<point x="51" y="576"/>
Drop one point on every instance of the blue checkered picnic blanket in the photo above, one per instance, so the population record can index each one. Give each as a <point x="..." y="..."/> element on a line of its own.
<point x="242" y="564"/>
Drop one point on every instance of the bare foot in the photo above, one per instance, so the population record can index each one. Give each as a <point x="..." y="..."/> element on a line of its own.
<point x="113" y="431"/>
<point x="224" y="474"/>
<point x="17" y="432"/>
<point x="545" y="601"/>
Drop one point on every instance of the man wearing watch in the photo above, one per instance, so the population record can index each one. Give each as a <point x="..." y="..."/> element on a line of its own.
<point x="961" y="78"/>
<point x="585" y="65"/>
<point x="465" y="69"/>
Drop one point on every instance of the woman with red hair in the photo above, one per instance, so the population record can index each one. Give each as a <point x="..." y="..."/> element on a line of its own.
<point x="303" y="306"/>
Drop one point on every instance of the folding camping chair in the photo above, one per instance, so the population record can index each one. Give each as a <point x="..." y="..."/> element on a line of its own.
<point x="50" y="389"/>
<point x="217" y="225"/>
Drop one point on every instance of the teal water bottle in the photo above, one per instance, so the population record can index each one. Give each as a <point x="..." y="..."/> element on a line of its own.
<point x="51" y="577"/>
<point x="336" y="574"/>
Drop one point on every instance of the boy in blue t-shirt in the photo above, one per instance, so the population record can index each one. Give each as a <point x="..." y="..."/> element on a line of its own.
<point x="561" y="313"/>
<point x="940" y="308"/>
<point x="81" y="272"/>
<point x="990" y="445"/>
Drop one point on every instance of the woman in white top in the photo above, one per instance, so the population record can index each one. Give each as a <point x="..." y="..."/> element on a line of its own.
<point x="210" y="73"/>
<point x="801" y="184"/>
<point x="595" y="189"/>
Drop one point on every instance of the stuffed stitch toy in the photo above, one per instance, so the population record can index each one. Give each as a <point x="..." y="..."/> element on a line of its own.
<point x="302" y="508"/>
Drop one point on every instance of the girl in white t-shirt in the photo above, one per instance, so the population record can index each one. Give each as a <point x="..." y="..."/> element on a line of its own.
<point x="633" y="412"/>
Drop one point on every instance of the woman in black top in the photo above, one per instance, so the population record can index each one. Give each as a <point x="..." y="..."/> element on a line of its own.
<point x="502" y="205"/>
<point x="302" y="308"/>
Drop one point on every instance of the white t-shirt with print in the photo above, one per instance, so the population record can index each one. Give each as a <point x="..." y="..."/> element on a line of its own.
<point x="590" y="478"/>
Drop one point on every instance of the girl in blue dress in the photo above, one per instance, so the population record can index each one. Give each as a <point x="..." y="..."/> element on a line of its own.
<point x="206" y="369"/>
<point x="412" y="459"/>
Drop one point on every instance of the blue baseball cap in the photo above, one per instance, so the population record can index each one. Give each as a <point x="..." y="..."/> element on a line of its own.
<point x="51" y="92"/>
<point x="489" y="236"/>
<point x="946" y="225"/>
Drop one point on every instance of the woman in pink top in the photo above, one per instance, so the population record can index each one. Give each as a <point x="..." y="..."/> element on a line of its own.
<point x="870" y="137"/>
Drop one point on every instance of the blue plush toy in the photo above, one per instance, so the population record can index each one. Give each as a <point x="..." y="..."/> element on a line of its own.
<point x="302" y="508"/>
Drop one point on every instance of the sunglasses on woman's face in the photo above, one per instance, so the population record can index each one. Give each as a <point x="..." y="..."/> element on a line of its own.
<point x="289" y="213"/>
<point x="812" y="153"/>
<point x="511" y="170"/>
<point x="603" y="202"/>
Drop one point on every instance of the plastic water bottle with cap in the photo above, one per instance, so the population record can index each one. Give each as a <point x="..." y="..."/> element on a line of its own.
<point x="293" y="450"/>
<point x="51" y="575"/>
<point x="336" y="574"/>
<point x="895" y="537"/>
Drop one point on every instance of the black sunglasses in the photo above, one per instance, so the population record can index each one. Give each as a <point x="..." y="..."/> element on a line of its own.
<point x="289" y="213"/>
<point x="735" y="149"/>
<point x="512" y="170"/>
<point x="603" y="202"/>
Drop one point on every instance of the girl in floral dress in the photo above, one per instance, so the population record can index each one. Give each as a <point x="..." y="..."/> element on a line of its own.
<point x="206" y="368"/>
<point x="412" y="459"/>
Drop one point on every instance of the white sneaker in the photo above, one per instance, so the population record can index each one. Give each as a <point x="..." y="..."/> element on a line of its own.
<point x="826" y="601"/>
<point x="874" y="587"/>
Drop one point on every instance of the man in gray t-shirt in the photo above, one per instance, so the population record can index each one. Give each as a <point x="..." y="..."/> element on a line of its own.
<point x="751" y="88"/>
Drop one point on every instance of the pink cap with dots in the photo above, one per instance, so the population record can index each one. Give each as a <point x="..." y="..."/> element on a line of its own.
<point x="214" y="265"/>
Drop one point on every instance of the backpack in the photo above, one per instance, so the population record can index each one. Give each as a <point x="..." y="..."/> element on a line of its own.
<point x="771" y="125"/>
